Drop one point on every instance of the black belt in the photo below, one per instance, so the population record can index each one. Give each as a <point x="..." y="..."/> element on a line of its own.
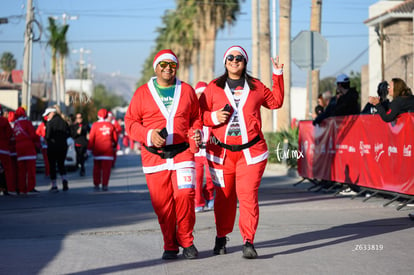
<point x="235" y="148"/>
<point x="168" y="151"/>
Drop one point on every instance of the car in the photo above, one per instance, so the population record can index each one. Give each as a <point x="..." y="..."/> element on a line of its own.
<point x="70" y="161"/>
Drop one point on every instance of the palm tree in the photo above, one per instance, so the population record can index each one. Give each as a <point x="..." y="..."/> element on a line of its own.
<point x="63" y="51"/>
<point x="8" y="64"/>
<point x="316" y="13"/>
<point x="265" y="64"/>
<point x="57" y="42"/>
<point x="285" y="7"/>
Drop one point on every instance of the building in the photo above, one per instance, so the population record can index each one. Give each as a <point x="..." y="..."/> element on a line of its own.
<point x="391" y="44"/>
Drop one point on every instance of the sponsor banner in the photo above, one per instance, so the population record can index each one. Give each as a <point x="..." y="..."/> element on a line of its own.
<point x="360" y="149"/>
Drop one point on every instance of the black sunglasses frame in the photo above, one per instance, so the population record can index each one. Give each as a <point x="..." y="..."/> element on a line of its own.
<point x="238" y="58"/>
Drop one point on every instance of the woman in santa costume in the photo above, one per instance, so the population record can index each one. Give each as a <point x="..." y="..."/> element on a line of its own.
<point x="26" y="144"/>
<point x="103" y="139"/>
<point x="167" y="155"/>
<point x="6" y="135"/>
<point x="237" y="152"/>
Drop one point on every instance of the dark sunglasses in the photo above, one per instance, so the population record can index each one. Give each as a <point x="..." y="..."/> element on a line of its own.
<point x="164" y="64"/>
<point x="239" y="58"/>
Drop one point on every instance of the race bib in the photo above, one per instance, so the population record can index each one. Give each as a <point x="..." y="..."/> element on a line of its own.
<point x="217" y="177"/>
<point x="185" y="178"/>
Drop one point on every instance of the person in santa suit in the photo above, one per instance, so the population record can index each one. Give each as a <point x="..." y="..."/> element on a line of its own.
<point x="168" y="155"/>
<point x="27" y="142"/>
<point x="41" y="132"/>
<point x="118" y="130"/>
<point x="6" y="134"/>
<point x="57" y="133"/>
<point x="237" y="151"/>
<point x="102" y="144"/>
<point x="79" y="131"/>
<point x="204" y="196"/>
<point x="11" y="117"/>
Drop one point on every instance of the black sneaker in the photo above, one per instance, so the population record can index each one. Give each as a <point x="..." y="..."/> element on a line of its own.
<point x="53" y="189"/>
<point x="190" y="252"/>
<point x="170" y="254"/>
<point x="65" y="185"/>
<point x="248" y="251"/>
<point x="220" y="246"/>
<point x="34" y="191"/>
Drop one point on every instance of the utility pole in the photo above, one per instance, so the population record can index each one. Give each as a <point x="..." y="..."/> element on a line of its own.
<point x="27" y="59"/>
<point x="81" y="62"/>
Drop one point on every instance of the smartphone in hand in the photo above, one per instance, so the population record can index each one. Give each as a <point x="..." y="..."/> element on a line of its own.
<point x="227" y="108"/>
<point x="163" y="133"/>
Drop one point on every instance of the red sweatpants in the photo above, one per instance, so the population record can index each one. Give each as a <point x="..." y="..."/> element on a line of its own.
<point x="206" y="193"/>
<point x="172" y="197"/>
<point x="8" y="170"/>
<point x="101" y="171"/>
<point x="26" y="175"/>
<point x="241" y="181"/>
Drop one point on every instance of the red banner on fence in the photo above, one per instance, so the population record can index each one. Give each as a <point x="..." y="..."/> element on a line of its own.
<point x="360" y="149"/>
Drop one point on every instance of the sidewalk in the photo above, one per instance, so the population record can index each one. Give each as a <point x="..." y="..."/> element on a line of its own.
<point x="117" y="232"/>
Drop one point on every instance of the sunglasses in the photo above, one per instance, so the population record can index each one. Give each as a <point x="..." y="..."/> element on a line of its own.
<point x="239" y="58"/>
<point x="164" y="64"/>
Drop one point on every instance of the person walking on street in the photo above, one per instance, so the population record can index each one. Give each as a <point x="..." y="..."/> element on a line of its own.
<point x="27" y="143"/>
<point x="204" y="196"/>
<point x="57" y="133"/>
<point x="102" y="143"/>
<point x="237" y="151"/>
<point x="118" y="130"/>
<point x="6" y="135"/>
<point x="79" y="132"/>
<point x="164" y="116"/>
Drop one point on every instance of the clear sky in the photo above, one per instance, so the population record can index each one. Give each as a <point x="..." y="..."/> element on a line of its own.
<point x="120" y="34"/>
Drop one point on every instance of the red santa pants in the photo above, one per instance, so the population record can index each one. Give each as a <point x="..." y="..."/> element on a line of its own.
<point x="8" y="170"/>
<point x="101" y="171"/>
<point x="27" y="175"/>
<point x="172" y="197"/>
<point x="241" y="181"/>
<point x="206" y="193"/>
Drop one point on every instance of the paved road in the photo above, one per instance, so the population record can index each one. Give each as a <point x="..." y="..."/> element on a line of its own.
<point x="116" y="232"/>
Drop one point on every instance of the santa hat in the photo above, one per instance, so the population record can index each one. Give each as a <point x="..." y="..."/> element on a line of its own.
<point x="235" y="48"/>
<point x="163" y="55"/>
<point x="11" y="117"/>
<point x="102" y="113"/>
<point x="200" y="87"/>
<point x="20" y="112"/>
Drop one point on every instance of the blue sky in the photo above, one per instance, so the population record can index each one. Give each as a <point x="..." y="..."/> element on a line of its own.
<point x="120" y="34"/>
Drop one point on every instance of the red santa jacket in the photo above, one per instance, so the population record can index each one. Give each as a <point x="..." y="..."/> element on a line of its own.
<point x="147" y="112"/>
<point x="26" y="139"/>
<point x="215" y="98"/>
<point x="41" y="132"/>
<point x="102" y="140"/>
<point x="6" y="134"/>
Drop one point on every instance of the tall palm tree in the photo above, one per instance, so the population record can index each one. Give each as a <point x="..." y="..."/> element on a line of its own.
<point x="57" y="42"/>
<point x="265" y="64"/>
<point x="8" y="63"/>
<point x="285" y="7"/>
<point x="316" y="13"/>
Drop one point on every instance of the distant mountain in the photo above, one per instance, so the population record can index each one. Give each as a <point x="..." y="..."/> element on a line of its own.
<point x="116" y="83"/>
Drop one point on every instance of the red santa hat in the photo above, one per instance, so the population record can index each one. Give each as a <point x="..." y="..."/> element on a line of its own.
<point x="20" y="112"/>
<point x="163" y="55"/>
<point x="235" y="48"/>
<point x="200" y="87"/>
<point x="102" y="113"/>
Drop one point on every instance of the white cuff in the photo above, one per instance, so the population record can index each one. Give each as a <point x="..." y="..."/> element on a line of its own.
<point x="214" y="118"/>
<point x="149" y="142"/>
<point x="277" y="71"/>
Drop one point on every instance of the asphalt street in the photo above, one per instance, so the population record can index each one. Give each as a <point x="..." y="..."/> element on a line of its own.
<point x="117" y="232"/>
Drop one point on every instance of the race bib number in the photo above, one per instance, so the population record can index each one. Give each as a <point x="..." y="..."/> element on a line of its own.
<point x="185" y="178"/>
<point x="217" y="177"/>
